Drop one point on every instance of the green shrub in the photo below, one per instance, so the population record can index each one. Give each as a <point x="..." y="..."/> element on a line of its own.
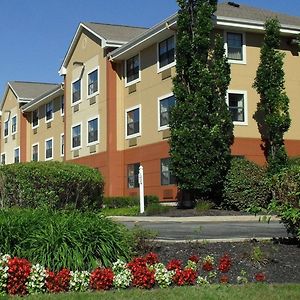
<point x="126" y="201"/>
<point x="204" y="205"/>
<point x="72" y="239"/>
<point x="122" y="211"/>
<point x="246" y="185"/>
<point x="52" y="185"/>
<point x="286" y="188"/>
<point x="156" y="209"/>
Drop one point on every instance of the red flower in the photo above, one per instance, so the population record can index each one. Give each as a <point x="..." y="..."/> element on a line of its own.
<point x="59" y="282"/>
<point x="18" y="272"/>
<point x="174" y="264"/>
<point x="224" y="278"/>
<point x="185" y="277"/>
<point x="194" y="258"/>
<point x="151" y="258"/>
<point x="207" y="266"/>
<point x="260" y="277"/>
<point x="224" y="263"/>
<point x="143" y="278"/>
<point x="101" y="279"/>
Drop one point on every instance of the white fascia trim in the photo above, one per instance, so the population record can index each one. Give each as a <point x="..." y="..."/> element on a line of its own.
<point x="80" y="146"/>
<point x="87" y="131"/>
<point x="160" y="128"/>
<point x="139" y="106"/>
<point x="140" y="72"/>
<point x="50" y="120"/>
<point x="16" y="124"/>
<point x="244" y="47"/>
<point x="38" y="152"/>
<point x="172" y="64"/>
<point x="80" y="100"/>
<point x="245" y="123"/>
<point x="87" y="82"/>
<point x="47" y="140"/>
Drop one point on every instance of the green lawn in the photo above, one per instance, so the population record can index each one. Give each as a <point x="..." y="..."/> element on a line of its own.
<point x="251" y="291"/>
<point x="122" y="211"/>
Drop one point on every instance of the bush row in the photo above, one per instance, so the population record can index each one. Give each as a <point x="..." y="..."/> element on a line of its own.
<point x="52" y="185"/>
<point x="126" y="201"/>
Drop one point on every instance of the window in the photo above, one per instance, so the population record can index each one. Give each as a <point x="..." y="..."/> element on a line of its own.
<point x="35" y="118"/>
<point x="133" y="175"/>
<point x="62" y="144"/>
<point x="165" y="104"/>
<point x="35" y="152"/>
<point x="49" y="111"/>
<point x="93" y="131"/>
<point x="166" y="176"/>
<point x="93" y="82"/>
<point x="236" y="48"/>
<point x="49" y="149"/>
<point x="17" y="155"/>
<point x="76" y="91"/>
<point x="3" y="158"/>
<point x="62" y="105"/>
<point x="76" y="136"/>
<point x="133" y="69"/>
<point x="166" y="53"/>
<point x="14" y="124"/>
<point x="237" y="104"/>
<point x="6" y="128"/>
<point x="133" y="120"/>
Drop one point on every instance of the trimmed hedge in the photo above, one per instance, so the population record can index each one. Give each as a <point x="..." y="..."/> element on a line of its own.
<point x="52" y="185"/>
<point x="246" y="185"/>
<point x="126" y="201"/>
<point x="286" y="188"/>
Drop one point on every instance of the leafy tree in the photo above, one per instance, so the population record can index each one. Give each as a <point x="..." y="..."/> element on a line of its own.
<point x="201" y="125"/>
<point x="272" y="113"/>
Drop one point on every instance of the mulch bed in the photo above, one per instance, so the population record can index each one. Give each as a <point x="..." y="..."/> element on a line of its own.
<point x="278" y="260"/>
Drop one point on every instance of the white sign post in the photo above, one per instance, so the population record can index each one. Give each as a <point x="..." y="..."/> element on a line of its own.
<point x="141" y="183"/>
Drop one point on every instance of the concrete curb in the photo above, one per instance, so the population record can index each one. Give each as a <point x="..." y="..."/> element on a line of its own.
<point x="230" y="240"/>
<point x="204" y="219"/>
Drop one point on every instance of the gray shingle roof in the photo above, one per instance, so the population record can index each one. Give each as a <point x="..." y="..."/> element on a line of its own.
<point x="111" y="32"/>
<point x="254" y="13"/>
<point x="31" y="90"/>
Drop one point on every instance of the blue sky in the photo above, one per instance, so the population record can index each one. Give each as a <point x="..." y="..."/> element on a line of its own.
<point x="35" y="34"/>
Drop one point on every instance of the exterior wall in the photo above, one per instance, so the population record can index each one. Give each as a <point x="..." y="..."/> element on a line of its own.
<point x="9" y="110"/>
<point x="89" y="52"/>
<point x="46" y="130"/>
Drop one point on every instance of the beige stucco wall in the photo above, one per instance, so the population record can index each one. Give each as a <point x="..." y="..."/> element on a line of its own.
<point x="46" y="130"/>
<point x="91" y="54"/>
<point x="9" y="110"/>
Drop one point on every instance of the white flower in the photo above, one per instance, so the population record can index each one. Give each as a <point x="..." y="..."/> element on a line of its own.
<point x="79" y="281"/>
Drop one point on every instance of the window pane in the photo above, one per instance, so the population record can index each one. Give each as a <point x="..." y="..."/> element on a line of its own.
<point x="133" y="175"/>
<point x="166" y="51"/>
<point x="166" y="175"/>
<point x="236" y="107"/>
<point x="235" y="46"/>
<point x="14" y="124"/>
<point x="35" y="153"/>
<point x="93" y="131"/>
<point x="17" y="155"/>
<point x="76" y="91"/>
<point x="76" y="139"/>
<point x="165" y="108"/>
<point x="49" y="149"/>
<point x="133" y="119"/>
<point x="35" y="118"/>
<point x="93" y="82"/>
<point x="132" y="68"/>
<point x="62" y="143"/>
<point x="49" y="111"/>
<point x="5" y="128"/>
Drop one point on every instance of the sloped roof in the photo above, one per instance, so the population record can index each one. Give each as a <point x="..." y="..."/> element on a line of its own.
<point x="30" y="90"/>
<point x="242" y="11"/>
<point x="110" y="32"/>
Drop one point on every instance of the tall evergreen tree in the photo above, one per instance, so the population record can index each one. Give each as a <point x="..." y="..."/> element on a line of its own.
<point x="272" y="113"/>
<point x="201" y="125"/>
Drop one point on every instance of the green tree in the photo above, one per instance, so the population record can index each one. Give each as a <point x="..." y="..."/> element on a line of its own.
<point x="272" y="113"/>
<point x="201" y="125"/>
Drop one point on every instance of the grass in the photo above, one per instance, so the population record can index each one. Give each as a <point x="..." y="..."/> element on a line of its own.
<point x="249" y="291"/>
<point x="203" y="205"/>
<point x="121" y="211"/>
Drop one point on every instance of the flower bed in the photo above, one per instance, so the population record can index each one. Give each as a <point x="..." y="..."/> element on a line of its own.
<point x="19" y="277"/>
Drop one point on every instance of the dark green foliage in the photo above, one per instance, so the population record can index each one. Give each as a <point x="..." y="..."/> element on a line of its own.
<point x="126" y="201"/>
<point x="201" y="125"/>
<point x="246" y="185"/>
<point x="286" y="188"/>
<point x="63" y="239"/>
<point x="52" y="185"/>
<point x="272" y="113"/>
<point x="203" y="205"/>
<point x="156" y="209"/>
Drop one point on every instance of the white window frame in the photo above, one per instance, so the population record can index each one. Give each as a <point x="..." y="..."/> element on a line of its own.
<point x="38" y="124"/>
<point x="49" y="158"/>
<point x="172" y="64"/>
<point x="3" y="153"/>
<point x="244" y="52"/>
<point x="17" y="148"/>
<point x="87" y="131"/>
<point x="62" y="112"/>
<point x="14" y="132"/>
<point x="62" y="137"/>
<point x="7" y="121"/>
<point x="80" y="146"/>
<point x="87" y="83"/>
<point x="140" y="73"/>
<point x="245" y="94"/>
<point x="51" y="119"/>
<point x="139" y="106"/>
<point x="164" y="127"/>
<point x="38" y="152"/>
<point x="80" y="100"/>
